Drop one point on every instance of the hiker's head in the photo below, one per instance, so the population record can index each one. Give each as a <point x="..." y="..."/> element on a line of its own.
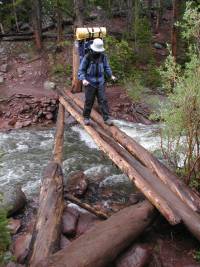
<point x="97" y="46"/>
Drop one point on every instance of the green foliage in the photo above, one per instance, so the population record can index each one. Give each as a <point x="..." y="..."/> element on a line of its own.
<point x="121" y="56"/>
<point x="4" y="236"/>
<point x="58" y="69"/>
<point x="134" y="88"/>
<point x="170" y="73"/>
<point x="197" y="255"/>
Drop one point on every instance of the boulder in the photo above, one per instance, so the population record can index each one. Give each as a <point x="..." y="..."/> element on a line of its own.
<point x="14" y="225"/>
<point x="64" y="242"/>
<point x="77" y="184"/>
<point x="13" y="199"/>
<point x="158" y="46"/>
<point x="4" y="68"/>
<point x="20" y="247"/>
<point x="49" y="85"/>
<point x="27" y="123"/>
<point x="69" y="221"/>
<point x="136" y="256"/>
<point x="25" y="27"/>
<point x="1" y="80"/>
<point x="86" y="221"/>
<point x="49" y="116"/>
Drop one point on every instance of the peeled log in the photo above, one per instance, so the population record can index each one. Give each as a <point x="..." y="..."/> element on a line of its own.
<point x="101" y="244"/>
<point x="133" y="174"/>
<point x="163" y="173"/>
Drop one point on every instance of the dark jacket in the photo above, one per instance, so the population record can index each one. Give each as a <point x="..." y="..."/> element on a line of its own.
<point x="94" y="69"/>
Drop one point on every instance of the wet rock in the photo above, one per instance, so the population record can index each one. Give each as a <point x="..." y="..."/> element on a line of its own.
<point x="49" y="116"/>
<point x="137" y="256"/>
<point x="69" y="221"/>
<point x="4" y="68"/>
<point x="77" y="184"/>
<point x="1" y="80"/>
<point x="12" y="122"/>
<point x="49" y="85"/>
<point x="86" y="221"/>
<point x="20" y="71"/>
<point x="64" y="242"/>
<point x="20" y="247"/>
<point x="14" y="225"/>
<point x="13" y="199"/>
<point x="18" y="125"/>
<point x="27" y="123"/>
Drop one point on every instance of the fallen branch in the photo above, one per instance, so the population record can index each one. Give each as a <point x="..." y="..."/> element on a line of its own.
<point x="85" y="206"/>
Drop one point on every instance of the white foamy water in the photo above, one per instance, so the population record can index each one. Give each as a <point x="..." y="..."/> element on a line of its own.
<point x="25" y="153"/>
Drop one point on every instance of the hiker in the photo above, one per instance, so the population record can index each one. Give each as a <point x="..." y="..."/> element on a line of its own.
<point x="92" y="71"/>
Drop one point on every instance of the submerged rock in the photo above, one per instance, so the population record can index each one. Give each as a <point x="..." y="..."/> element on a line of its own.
<point x="13" y="199"/>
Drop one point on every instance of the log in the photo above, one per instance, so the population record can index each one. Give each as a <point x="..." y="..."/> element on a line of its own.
<point x="85" y="206"/>
<point x="46" y="235"/>
<point x="76" y="84"/>
<point x="59" y="140"/>
<point x="170" y="205"/>
<point x="134" y="176"/>
<point x="47" y="232"/>
<point x="143" y="155"/>
<point x="100" y="245"/>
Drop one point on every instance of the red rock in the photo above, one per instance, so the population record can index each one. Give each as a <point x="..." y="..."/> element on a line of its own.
<point x="20" y="247"/>
<point x="49" y="116"/>
<point x="64" y="242"/>
<point x="12" y="121"/>
<point x="86" y="221"/>
<point x="14" y="225"/>
<point x="77" y="184"/>
<point x="18" y="124"/>
<point x="27" y="123"/>
<point x="136" y="256"/>
<point x="69" y="221"/>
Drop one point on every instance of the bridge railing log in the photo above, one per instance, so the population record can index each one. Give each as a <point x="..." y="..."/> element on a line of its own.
<point x="46" y="235"/>
<point x="146" y="158"/>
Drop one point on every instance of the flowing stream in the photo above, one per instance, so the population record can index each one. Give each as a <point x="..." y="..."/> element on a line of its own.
<point x="25" y="153"/>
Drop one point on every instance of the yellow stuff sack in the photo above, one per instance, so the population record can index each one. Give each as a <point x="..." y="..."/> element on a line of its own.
<point x="90" y="33"/>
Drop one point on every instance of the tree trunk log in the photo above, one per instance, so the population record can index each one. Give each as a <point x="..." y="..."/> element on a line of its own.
<point x="170" y="205"/>
<point x="101" y="245"/>
<point x="59" y="139"/>
<point x="46" y="236"/>
<point x="146" y="158"/>
<point x="37" y="22"/>
<point x="133" y="175"/>
<point x="45" y="240"/>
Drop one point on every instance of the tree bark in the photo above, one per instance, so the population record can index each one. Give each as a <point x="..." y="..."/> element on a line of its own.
<point x="37" y="22"/>
<point x="46" y="236"/>
<point x="76" y="84"/>
<point x="78" y="10"/>
<point x="101" y="245"/>
<point x="144" y="156"/>
<point x="159" y="14"/>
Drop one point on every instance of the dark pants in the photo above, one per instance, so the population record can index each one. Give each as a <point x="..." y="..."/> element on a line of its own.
<point x="90" y="93"/>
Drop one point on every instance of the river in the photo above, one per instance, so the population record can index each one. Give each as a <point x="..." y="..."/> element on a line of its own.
<point x="24" y="154"/>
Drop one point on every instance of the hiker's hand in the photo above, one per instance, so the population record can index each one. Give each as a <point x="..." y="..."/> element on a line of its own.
<point x="85" y="82"/>
<point x="113" y="78"/>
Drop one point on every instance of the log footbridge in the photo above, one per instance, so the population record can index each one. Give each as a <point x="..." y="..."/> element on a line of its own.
<point x="97" y="247"/>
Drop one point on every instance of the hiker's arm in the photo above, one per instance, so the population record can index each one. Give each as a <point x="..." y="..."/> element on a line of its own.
<point x="82" y="69"/>
<point x="107" y="68"/>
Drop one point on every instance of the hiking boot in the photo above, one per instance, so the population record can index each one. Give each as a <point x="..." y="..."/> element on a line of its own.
<point x="108" y="122"/>
<point x="87" y="121"/>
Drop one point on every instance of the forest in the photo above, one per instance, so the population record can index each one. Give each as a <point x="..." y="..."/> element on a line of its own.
<point x="153" y="50"/>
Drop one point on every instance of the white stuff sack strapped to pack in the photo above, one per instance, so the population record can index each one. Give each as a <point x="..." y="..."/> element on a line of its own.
<point x="90" y="33"/>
